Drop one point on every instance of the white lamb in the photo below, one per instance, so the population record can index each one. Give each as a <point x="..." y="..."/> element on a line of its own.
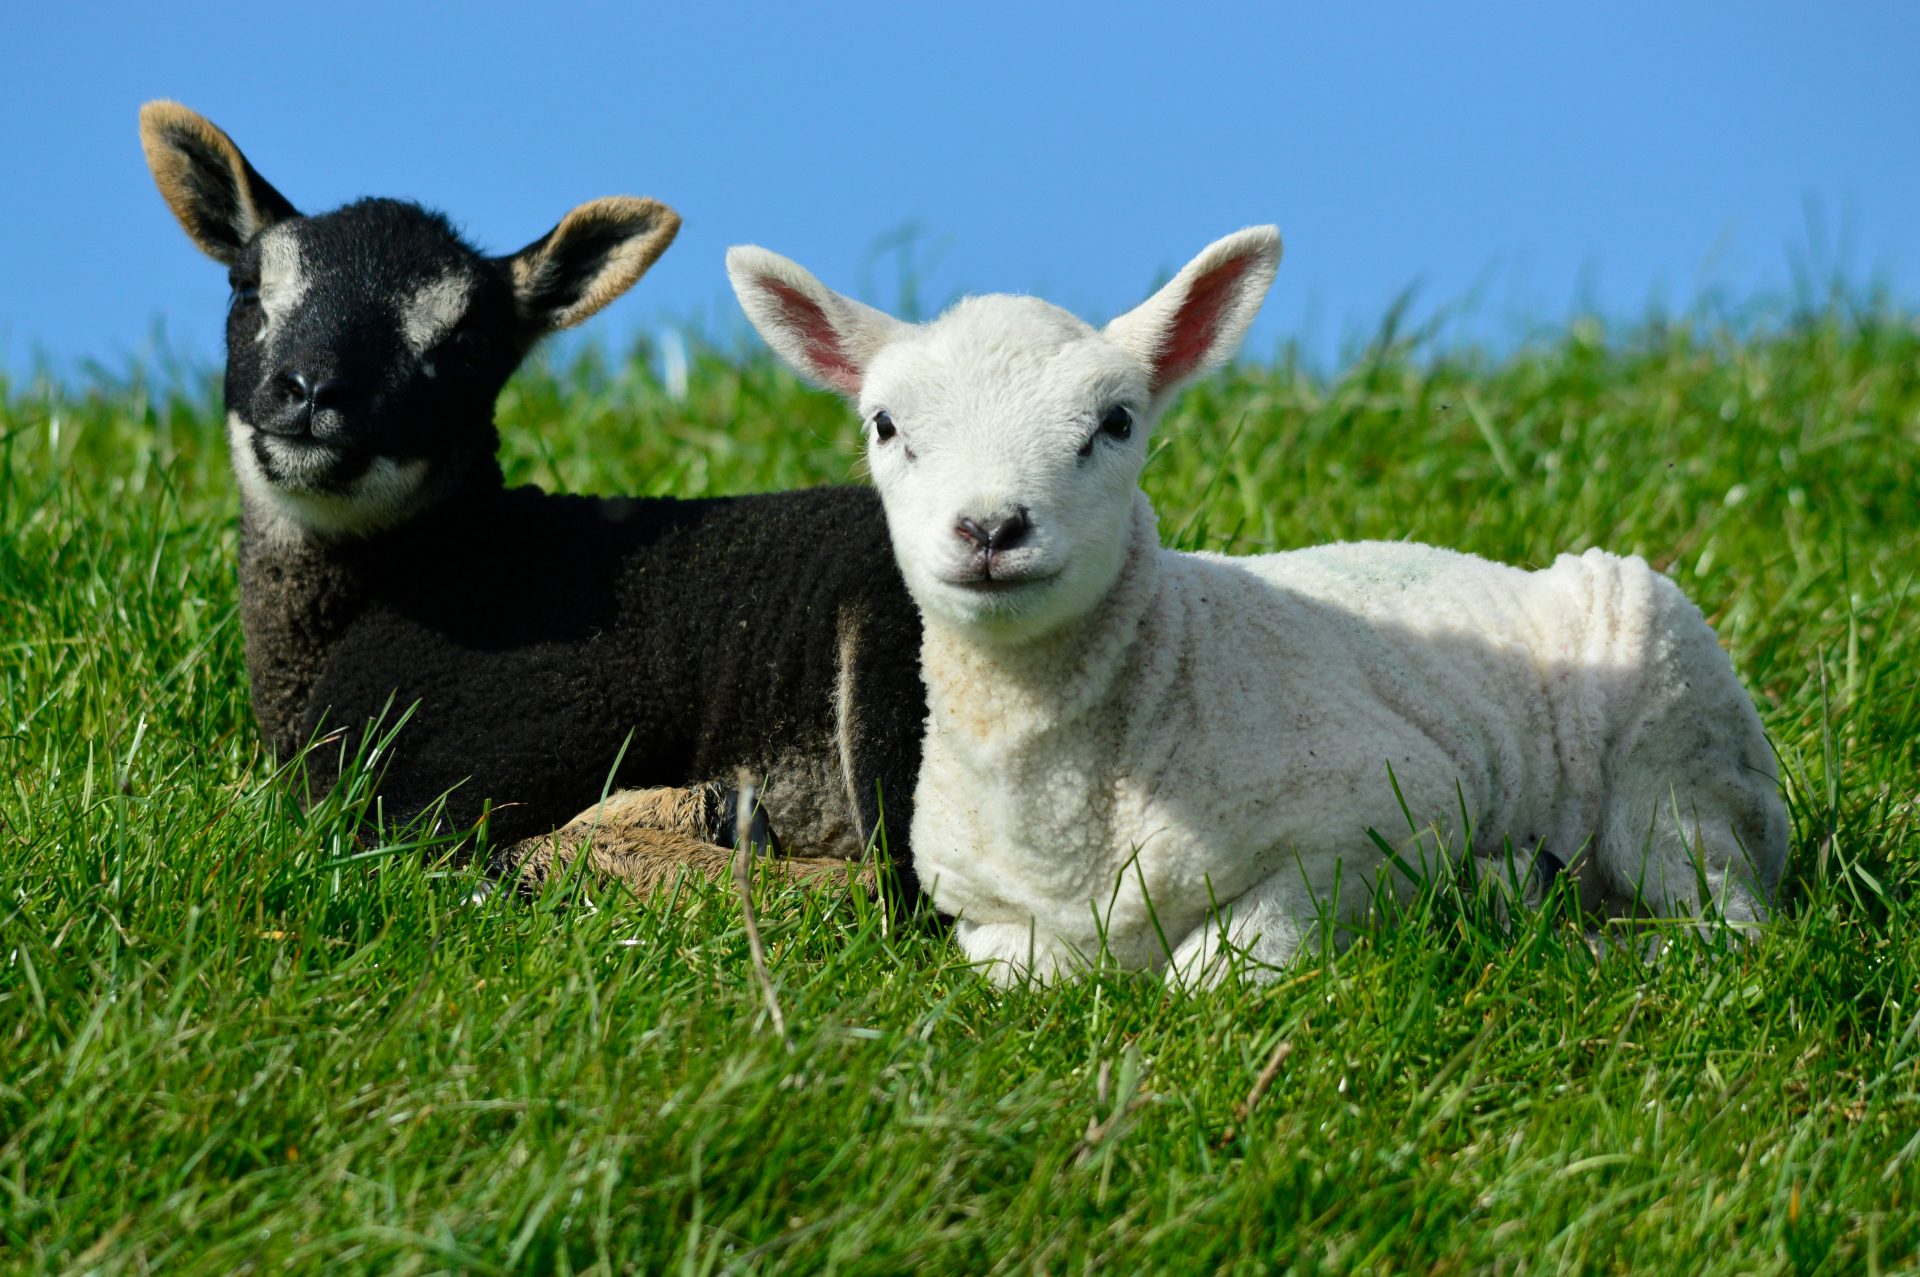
<point x="1161" y="752"/>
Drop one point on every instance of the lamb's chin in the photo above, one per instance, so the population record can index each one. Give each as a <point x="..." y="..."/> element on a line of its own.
<point x="1002" y="613"/>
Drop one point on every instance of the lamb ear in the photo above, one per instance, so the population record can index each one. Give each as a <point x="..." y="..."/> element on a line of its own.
<point x="218" y="197"/>
<point x="596" y="253"/>
<point x="1197" y="321"/>
<point x="826" y="338"/>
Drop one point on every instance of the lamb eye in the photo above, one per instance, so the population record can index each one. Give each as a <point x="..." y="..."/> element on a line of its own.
<point x="1118" y="422"/>
<point x="883" y="428"/>
<point x="244" y="295"/>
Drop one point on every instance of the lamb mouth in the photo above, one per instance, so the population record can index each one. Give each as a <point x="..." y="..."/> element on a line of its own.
<point x="304" y="464"/>
<point x="1001" y="584"/>
<point x="295" y="445"/>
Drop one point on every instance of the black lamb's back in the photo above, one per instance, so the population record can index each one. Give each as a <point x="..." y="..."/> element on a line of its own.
<point x="539" y="634"/>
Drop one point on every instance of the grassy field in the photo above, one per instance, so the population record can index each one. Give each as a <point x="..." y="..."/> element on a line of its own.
<point x="231" y="1037"/>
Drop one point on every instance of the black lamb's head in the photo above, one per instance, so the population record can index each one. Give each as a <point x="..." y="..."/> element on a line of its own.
<point x="366" y="346"/>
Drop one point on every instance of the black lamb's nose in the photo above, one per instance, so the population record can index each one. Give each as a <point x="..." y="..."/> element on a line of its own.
<point x="296" y="387"/>
<point x="320" y="392"/>
<point x="289" y="404"/>
<point x="296" y="397"/>
<point x="997" y="534"/>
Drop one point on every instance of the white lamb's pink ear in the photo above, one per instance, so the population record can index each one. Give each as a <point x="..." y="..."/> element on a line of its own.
<point x="1197" y="321"/>
<point x="826" y="338"/>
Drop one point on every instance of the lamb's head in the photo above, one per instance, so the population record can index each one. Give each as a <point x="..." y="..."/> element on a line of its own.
<point x="366" y="346"/>
<point x="1006" y="437"/>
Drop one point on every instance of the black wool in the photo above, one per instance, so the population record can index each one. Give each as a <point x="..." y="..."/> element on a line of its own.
<point x="536" y="635"/>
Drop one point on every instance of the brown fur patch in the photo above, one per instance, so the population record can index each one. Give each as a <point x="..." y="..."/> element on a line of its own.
<point x="648" y="839"/>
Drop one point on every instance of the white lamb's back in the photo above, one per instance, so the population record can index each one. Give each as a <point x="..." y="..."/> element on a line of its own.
<point x="1568" y="699"/>
<point x="1470" y="681"/>
<point x="1423" y="587"/>
<point x="1465" y="619"/>
<point x="1454" y="639"/>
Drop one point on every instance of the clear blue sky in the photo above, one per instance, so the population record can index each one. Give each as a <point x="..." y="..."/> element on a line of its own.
<point x="1612" y="156"/>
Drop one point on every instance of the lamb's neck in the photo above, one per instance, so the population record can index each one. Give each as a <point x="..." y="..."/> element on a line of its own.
<point x="300" y="590"/>
<point x="1007" y="695"/>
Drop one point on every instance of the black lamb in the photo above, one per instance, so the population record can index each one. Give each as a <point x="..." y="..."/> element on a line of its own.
<point x="536" y="638"/>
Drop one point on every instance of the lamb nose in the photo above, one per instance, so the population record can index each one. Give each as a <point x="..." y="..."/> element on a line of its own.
<point x="287" y="408"/>
<point x="998" y="534"/>
<point x="294" y="387"/>
<point x="328" y="393"/>
<point x="297" y="388"/>
<point x="1009" y="531"/>
<point x="295" y="396"/>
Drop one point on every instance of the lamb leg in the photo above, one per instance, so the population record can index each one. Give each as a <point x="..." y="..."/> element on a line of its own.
<point x="646" y="838"/>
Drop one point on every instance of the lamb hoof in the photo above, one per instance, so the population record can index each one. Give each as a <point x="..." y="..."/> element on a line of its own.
<point x="725" y="828"/>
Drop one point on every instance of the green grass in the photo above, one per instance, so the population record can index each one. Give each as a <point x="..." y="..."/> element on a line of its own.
<point x="231" y="1036"/>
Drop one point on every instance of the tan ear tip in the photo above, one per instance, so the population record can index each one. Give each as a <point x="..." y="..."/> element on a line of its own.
<point x="163" y="118"/>
<point x="162" y="112"/>
<point x="632" y="210"/>
<point x="153" y="119"/>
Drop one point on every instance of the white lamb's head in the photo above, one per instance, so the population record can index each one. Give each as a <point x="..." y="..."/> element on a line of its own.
<point x="1006" y="437"/>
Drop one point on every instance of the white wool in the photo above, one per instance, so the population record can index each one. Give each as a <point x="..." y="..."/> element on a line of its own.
<point x="283" y="281"/>
<point x="1151" y="752"/>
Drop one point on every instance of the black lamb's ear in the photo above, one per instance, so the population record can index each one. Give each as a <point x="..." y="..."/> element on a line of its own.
<point x="220" y="199"/>
<point x="596" y="253"/>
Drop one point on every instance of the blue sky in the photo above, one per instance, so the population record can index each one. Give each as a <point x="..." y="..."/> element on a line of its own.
<point x="1544" y="160"/>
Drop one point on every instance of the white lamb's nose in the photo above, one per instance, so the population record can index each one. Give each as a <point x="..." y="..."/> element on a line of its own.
<point x="995" y="532"/>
